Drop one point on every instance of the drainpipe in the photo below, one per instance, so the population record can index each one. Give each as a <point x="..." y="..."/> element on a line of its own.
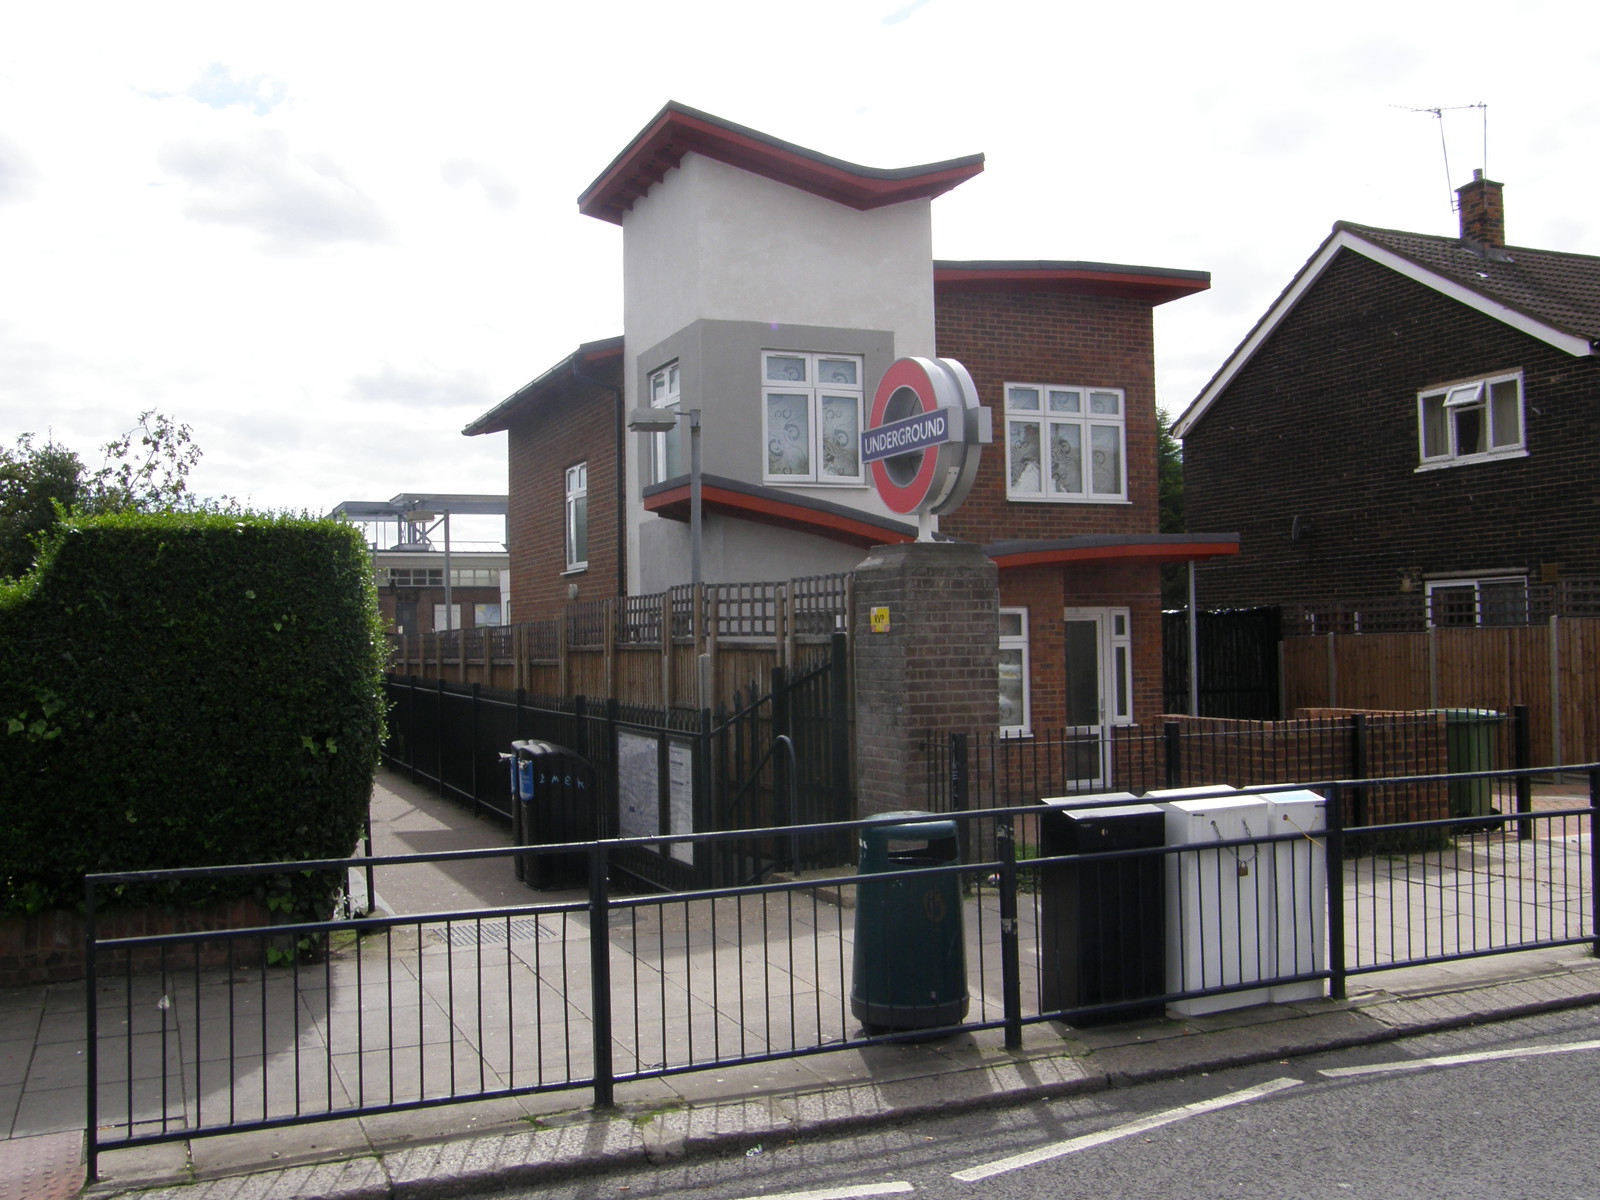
<point x="622" y="476"/>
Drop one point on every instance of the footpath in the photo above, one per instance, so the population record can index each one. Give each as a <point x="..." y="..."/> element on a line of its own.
<point x="470" y="1148"/>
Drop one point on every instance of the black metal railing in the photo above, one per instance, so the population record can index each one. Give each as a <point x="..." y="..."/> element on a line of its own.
<point x="323" y="1017"/>
<point x="778" y="755"/>
<point x="987" y="770"/>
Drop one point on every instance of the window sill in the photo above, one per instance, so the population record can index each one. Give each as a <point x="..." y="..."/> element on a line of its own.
<point x="1105" y="500"/>
<point x="577" y="570"/>
<point x="793" y="481"/>
<point x="1441" y="464"/>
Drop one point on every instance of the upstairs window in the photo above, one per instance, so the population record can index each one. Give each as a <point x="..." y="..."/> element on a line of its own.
<point x="667" y="458"/>
<point x="1065" y="443"/>
<point x="1473" y="421"/>
<point x="577" y="508"/>
<point x="811" y="413"/>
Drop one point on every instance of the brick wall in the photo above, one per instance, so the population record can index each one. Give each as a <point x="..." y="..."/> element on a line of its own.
<point x="1322" y="424"/>
<point x="1095" y="341"/>
<point x="1045" y="591"/>
<point x="576" y="426"/>
<point x="1246" y="753"/>
<point x="47" y="947"/>
<point x="1045" y="337"/>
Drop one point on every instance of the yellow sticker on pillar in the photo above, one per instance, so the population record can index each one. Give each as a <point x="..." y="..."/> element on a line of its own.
<point x="880" y="619"/>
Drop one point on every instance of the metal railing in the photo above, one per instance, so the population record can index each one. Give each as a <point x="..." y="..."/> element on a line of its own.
<point x="195" y="1034"/>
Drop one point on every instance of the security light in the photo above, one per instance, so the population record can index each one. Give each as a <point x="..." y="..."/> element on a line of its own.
<point x="653" y="420"/>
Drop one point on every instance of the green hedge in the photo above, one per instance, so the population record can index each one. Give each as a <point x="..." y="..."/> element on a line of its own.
<point x="182" y="690"/>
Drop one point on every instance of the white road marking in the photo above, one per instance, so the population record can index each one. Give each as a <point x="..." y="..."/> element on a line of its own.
<point x="844" y="1193"/>
<point x="1455" y="1060"/>
<point x="1090" y="1140"/>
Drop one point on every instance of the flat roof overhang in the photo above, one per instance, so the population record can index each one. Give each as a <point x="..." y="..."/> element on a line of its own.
<point x="1110" y="547"/>
<point x="408" y="503"/>
<point x="1154" y="285"/>
<point x="770" y="506"/>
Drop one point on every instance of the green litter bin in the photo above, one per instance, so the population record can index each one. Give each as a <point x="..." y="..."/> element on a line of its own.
<point x="1469" y="746"/>
<point x="910" y="956"/>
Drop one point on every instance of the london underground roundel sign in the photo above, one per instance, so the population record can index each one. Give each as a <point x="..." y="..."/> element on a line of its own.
<point x="924" y="435"/>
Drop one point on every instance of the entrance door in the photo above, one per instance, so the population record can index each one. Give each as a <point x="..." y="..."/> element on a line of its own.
<point x="1099" y="687"/>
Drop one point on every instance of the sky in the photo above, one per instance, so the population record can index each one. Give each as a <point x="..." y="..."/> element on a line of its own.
<point x="328" y="236"/>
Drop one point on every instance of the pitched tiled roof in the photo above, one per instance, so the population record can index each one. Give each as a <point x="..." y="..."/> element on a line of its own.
<point x="1558" y="289"/>
<point x="1547" y="294"/>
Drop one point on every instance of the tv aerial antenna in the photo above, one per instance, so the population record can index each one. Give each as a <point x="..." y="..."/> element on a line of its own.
<point x="1437" y="113"/>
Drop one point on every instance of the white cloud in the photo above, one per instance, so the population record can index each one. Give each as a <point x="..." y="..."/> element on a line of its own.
<point x="344" y="231"/>
<point x="497" y="189"/>
<point x="18" y="175"/>
<point x="293" y="201"/>
<point x="219" y="88"/>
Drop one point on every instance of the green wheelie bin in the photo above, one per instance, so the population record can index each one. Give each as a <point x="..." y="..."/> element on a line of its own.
<point x="910" y="968"/>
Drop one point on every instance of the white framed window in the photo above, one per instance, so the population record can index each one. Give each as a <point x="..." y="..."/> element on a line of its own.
<point x="1015" y="712"/>
<point x="577" y="513"/>
<point x="1472" y="421"/>
<point x="811" y="408"/>
<point x="446" y="620"/>
<point x="482" y="577"/>
<point x="667" y="459"/>
<point x="1066" y="443"/>
<point x="1491" y="600"/>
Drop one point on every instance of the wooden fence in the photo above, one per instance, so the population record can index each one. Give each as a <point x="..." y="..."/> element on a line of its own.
<point x="689" y="647"/>
<point x="1553" y="668"/>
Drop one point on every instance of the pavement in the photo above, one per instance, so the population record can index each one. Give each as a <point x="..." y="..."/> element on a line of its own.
<point x="468" y="1148"/>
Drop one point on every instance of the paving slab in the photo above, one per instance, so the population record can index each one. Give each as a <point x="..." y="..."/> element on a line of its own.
<point x="45" y="1167"/>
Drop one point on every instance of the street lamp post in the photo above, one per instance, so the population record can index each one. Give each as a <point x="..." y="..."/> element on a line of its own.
<point x="664" y="420"/>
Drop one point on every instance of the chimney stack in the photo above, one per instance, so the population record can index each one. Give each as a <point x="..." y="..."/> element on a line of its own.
<point x="1483" y="212"/>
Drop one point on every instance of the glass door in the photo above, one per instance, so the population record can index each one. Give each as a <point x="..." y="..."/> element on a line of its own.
<point x="1099" y="689"/>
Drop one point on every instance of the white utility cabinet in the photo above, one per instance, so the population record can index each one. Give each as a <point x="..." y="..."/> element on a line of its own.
<point x="1299" y="893"/>
<point x="1220" y="904"/>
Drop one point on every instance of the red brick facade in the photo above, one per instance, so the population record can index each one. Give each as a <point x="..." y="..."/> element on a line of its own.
<point x="1055" y="337"/>
<point x="577" y="424"/>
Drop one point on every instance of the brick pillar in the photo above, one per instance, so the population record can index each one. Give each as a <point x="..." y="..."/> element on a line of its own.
<point x="935" y="670"/>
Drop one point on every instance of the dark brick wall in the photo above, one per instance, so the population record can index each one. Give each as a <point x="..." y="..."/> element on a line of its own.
<point x="48" y="947"/>
<point x="578" y="427"/>
<point x="1322" y="425"/>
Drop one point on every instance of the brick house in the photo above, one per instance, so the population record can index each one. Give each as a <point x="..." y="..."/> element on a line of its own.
<point x="1415" y="417"/>
<point x="770" y="287"/>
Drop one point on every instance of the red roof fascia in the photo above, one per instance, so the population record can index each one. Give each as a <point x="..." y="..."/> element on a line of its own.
<point x="676" y="131"/>
<point x="674" y="503"/>
<point x="1141" y="552"/>
<point x="1157" y="289"/>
